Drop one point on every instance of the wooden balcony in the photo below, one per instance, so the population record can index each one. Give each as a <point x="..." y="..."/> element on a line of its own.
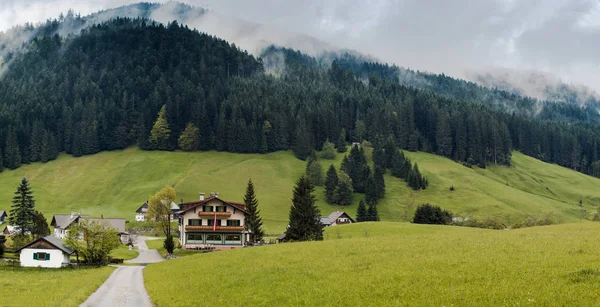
<point x="219" y="214"/>
<point x="218" y="228"/>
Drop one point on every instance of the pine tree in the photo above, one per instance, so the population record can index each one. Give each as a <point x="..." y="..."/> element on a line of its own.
<point x="189" y="140"/>
<point x="22" y="212"/>
<point x="341" y="141"/>
<point x="331" y="183"/>
<point x="345" y="167"/>
<point x="361" y="212"/>
<point x="12" y="155"/>
<point x="390" y="149"/>
<point x="379" y="157"/>
<point x="160" y="133"/>
<point x="372" y="214"/>
<point x="302" y="146"/>
<point x="379" y="182"/>
<point x="305" y="222"/>
<point x="253" y="219"/>
<point x="371" y="191"/>
<point x="343" y="192"/>
<point x="398" y="162"/>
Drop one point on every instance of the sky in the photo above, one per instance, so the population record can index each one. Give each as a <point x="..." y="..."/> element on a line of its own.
<point x="554" y="38"/>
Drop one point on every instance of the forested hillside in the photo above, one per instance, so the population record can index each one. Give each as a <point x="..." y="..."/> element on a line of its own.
<point x="103" y="90"/>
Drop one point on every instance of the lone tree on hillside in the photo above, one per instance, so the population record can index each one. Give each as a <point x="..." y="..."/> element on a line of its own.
<point x="159" y="210"/>
<point x="22" y="213"/>
<point x="305" y="223"/>
<point x="253" y="220"/>
<point x="160" y="133"/>
<point x="99" y="239"/>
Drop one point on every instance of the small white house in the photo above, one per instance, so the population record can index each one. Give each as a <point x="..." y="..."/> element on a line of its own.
<point x="140" y="213"/>
<point x="46" y="252"/>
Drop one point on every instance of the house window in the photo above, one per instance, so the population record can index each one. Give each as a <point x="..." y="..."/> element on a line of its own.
<point x="194" y="238"/>
<point x="221" y="209"/>
<point x="233" y="238"/>
<point x="41" y="256"/>
<point x="213" y="238"/>
<point x="194" y="222"/>
<point x="207" y="209"/>
<point x="233" y="223"/>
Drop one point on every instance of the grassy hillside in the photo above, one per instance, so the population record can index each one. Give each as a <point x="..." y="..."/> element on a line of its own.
<point x="116" y="183"/>
<point x="397" y="264"/>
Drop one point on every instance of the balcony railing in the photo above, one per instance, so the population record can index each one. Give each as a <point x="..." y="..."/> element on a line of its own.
<point x="219" y="214"/>
<point x="217" y="228"/>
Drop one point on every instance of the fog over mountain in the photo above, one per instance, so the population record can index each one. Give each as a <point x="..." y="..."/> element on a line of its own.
<point x="528" y="46"/>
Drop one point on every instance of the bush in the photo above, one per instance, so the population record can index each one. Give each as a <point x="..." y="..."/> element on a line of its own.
<point x="429" y="214"/>
<point x="452" y="188"/>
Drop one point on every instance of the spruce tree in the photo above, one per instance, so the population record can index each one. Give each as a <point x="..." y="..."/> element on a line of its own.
<point x="22" y="213"/>
<point x="341" y="141"/>
<point x="189" y="140"/>
<point x="345" y="167"/>
<point x="253" y="219"/>
<point x="390" y="149"/>
<point x="331" y="183"/>
<point x="343" y="192"/>
<point x="160" y="133"/>
<point x="361" y="212"/>
<point x="379" y="182"/>
<point x="305" y="222"/>
<point x="371" y="191"/>
<point x="372" y="214"/>
<point x="12" y="155"/>
<point x="302" y="145"/>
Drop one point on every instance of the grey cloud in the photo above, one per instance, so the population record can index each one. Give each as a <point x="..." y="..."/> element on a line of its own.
<point x="464" y="38"/>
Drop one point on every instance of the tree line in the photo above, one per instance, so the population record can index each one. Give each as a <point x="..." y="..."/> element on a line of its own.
<point x="135" y="82"/>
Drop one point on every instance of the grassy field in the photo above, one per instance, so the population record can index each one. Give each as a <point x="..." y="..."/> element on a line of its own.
<point x="116" y="183"/>
<point x="123" y="252"/>
<point x="397" y="264"/>
<point x="49" y="287"/>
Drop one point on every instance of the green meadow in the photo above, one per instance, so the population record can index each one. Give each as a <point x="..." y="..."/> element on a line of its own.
<point x="396" y="264"/>
<point x="115" y="184"/>
<point x="49" y="287"/>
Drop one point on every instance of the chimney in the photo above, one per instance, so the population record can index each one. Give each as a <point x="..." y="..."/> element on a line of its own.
<point x="212" y="194"/>
<point x="216" y="194"/>
<point x="201" y="196"/>
<point x="72" y="214"/>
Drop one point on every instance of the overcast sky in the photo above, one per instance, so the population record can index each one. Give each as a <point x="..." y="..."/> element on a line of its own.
<point x="556" y="36"/>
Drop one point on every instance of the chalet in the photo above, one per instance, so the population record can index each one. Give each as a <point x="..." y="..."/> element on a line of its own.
<point x="3" y="216"/>
<point x="62" y="223"/>
<point x="140" y="213"/>
<point x="46" y="252"/>
<point x="336" y="218"/>
<point x="212" y="222"/>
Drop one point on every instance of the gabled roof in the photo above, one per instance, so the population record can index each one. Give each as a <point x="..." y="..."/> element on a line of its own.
<point x="64" y="220"/>
<point x="2" y="213"/>
<point x="142" y="207"/>
<point x="52" y="240"/>
<point x="335" y="215"/>
<point x="117" y="223"/>
<point x="195" y="204"/>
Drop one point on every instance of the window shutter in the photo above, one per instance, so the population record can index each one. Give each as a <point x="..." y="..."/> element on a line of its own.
<point x="35" y="256"/>
<point x="47" y="256"/>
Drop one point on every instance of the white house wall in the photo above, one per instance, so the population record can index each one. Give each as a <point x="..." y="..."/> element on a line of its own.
<point x="57" y="258"/>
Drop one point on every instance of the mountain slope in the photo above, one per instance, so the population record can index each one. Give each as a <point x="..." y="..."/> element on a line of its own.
<point x="116" y="183"/>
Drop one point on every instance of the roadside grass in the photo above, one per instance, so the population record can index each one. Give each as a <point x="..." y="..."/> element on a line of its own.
<point x="123" y="252"/>
<point x="49" y="287"/>
<point x="158" y="245"/>
<point x="116" y="183"/>
<point x="407" y="265"/>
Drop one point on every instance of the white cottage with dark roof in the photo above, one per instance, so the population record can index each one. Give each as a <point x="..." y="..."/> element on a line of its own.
<point x="46" y="252"/>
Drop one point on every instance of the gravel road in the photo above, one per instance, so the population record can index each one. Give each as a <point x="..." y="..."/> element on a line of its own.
<point x="125" y="286"/>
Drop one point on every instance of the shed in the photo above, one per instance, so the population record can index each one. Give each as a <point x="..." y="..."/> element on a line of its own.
<point x="46" y="252"/>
